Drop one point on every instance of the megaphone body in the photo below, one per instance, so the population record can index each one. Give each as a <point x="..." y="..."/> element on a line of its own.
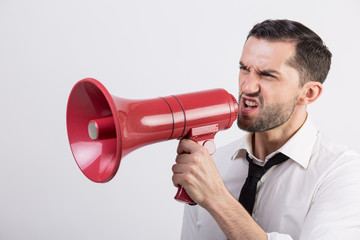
<point x="102" y="128"/>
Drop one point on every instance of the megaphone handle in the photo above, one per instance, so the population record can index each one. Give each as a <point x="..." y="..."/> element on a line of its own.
<point x="182" y="196"/>
<point x="205" y="137"/>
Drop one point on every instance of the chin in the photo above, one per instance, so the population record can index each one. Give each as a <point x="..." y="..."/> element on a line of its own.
<point x="242" y="124"/>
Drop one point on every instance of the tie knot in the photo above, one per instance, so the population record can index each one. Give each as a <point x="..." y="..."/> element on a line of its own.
<point x="275" y="160"/>
<point x="257" y="171"/>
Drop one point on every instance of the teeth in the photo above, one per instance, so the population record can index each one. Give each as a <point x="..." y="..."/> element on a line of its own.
<point x="250" y="103"/>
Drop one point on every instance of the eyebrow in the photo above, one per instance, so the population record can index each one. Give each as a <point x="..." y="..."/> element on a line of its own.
<point x="242" y="65"/>
<point x="262" y="72"/>
<point x="269" y="72"/>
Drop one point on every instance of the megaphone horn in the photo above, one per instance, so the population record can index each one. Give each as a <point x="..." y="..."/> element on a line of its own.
<point x="102" y="128"/>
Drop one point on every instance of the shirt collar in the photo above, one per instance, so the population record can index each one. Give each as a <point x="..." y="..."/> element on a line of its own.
<point x="298" y="148"/>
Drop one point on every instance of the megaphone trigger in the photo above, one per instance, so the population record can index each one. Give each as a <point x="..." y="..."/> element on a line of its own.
<point x="204" y="136"/>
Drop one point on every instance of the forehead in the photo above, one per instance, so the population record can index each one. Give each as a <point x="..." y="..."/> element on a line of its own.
<point x="261" y="53"/>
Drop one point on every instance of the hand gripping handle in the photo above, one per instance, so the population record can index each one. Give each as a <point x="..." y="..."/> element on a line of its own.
<point x="205" y="137"/>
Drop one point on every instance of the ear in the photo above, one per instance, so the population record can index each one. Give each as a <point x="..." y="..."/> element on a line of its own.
<point x="310" y="92"/>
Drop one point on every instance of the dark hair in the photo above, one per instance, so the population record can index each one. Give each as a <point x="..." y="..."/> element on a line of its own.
<point x="312" y="58"/>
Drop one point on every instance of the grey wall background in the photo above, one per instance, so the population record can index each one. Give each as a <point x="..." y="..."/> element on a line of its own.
<point x="138" y="49"/>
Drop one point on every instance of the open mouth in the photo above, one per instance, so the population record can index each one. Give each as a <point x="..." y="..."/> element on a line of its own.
<point x="248" y="104"/>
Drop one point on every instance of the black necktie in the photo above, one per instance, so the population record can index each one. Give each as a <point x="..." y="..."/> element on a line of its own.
<point x="248" y="191"/>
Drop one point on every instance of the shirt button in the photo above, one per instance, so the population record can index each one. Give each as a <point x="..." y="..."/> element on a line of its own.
<point x="262" y="179"/>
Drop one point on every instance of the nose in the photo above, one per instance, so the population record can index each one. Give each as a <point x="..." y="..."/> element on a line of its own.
<point x="249" y="83"/>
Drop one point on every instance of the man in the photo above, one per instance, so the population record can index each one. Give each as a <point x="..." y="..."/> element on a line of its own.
<point x="315" y="192"/>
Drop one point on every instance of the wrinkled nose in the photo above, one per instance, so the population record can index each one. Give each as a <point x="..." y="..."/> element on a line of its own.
<point x="249" y="84"/>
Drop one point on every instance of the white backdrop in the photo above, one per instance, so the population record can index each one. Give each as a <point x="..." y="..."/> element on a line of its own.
<point x="138" y="49"/>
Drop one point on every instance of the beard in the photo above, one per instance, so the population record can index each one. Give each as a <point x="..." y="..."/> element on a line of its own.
<point x="270" y="116"/>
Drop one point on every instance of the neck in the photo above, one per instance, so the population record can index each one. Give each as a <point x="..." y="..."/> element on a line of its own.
<point x="264" y="143"/>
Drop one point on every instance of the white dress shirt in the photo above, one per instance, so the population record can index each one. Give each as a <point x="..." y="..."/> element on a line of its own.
<point x="313" y="195"/>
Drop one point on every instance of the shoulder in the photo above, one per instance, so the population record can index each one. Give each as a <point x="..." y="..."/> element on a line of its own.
<point x="332" y="153"/>
<point x="337" y="166"/>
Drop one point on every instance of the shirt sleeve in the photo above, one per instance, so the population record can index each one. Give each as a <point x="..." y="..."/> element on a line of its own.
<point x="278" y="236"/>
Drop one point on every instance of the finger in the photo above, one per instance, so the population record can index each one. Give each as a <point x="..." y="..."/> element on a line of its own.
<point x="179" y="173"/>
<point x="182" y="179"/>
<point x="177" y="180"/>
<point x="184" y="158"/>
<point x="178" y="168"/>
<point x="187" y="146"/>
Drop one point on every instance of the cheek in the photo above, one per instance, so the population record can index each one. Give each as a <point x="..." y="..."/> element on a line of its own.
<point x="275" y="93"/>
<point x="283" y="96"/>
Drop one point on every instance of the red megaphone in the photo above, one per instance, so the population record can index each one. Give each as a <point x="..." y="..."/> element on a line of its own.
<point x="103" y="128"/>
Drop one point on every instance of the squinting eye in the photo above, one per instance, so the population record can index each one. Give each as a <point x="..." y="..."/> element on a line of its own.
<point x="268" y="75"/>
<point x="244" y="68"/>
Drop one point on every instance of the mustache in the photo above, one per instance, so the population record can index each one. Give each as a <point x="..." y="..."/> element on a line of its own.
<point x="253" y="95"/>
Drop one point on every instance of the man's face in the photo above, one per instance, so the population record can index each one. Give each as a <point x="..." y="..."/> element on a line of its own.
<point x="269" y="87"/>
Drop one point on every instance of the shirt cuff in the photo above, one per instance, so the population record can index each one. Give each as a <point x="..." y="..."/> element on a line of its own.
<point x="278" y="236"/>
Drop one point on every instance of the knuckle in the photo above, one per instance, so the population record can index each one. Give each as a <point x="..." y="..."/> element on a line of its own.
<point x="202" y="150"/>
<point x="193" y="171"/>
<point x="196" y="159"/>
<point x="187" y="180"/>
